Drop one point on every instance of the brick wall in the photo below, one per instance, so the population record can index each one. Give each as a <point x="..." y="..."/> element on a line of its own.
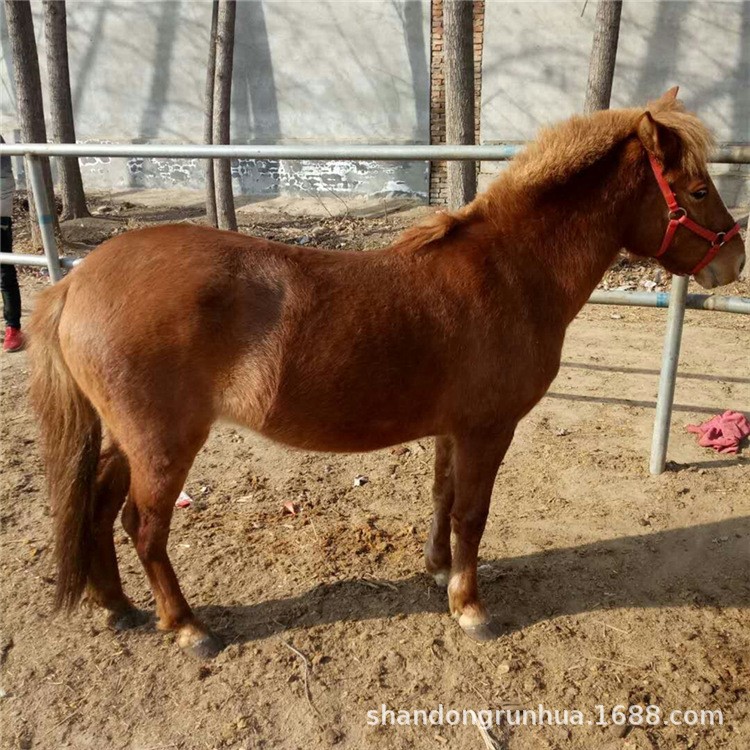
<point x="438" y="185"/>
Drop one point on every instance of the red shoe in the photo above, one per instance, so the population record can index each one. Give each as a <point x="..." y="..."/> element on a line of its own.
<point x="14" y="340"/>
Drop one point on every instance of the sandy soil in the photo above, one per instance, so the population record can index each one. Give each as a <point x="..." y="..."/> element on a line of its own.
<point x="611" y="586"/>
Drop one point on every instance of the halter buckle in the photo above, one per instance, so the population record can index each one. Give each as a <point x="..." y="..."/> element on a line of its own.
<point x="677" y="214"/>
<point x="720" y="238"/>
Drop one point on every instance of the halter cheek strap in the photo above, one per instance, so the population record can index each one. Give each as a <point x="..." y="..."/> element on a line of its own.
<point x="678" y="217"/>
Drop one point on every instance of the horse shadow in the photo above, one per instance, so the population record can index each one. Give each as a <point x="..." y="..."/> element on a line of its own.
<point x="703" y="566"/>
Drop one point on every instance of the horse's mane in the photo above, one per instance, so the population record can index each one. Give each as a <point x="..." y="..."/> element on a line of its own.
<point x="564" y="150"/>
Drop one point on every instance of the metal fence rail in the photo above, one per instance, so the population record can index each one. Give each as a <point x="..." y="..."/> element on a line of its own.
<point x="677" y="301"/>
<point x="35" y="260"/>
<point x="724" y="153"/>
<point x="719" y="303"/>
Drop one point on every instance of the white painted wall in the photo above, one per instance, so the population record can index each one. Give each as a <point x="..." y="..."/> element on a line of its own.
<point x="535" y="66"/>
<point x="357" y="71"/>
<point x="304" y="71"/>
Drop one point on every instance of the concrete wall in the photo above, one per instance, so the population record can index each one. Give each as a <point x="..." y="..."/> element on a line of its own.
<point x="535" y="66"/>
<point x="357" y="71"/>
<point x="314" y="71"/>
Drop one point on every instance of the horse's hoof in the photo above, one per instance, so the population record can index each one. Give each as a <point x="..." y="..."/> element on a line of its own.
<point x="480" y="633"/>
<point x="477" y="628"/>
<point x="127" y="620"/>
<point x="441" y="578"/>
<point x="204" y="648"/>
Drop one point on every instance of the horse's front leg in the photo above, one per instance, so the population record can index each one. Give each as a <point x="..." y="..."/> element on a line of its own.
<point x="476" y="460"/>
<point x="437" y="550"/>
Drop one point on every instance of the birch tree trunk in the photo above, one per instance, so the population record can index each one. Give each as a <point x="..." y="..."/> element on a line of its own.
<point x="603" y="55"/>
<point x="29" y="96"/>
<point x="208" y="116"/>
<point x="222" y="111"/>
<point x="458" y="44"/>
<point x="61" y="107"/>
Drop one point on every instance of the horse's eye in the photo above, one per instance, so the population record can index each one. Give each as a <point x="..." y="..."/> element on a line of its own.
<point x="700" y="194"/>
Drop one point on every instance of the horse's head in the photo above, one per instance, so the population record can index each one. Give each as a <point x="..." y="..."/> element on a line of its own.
<point x="679" y="216"/>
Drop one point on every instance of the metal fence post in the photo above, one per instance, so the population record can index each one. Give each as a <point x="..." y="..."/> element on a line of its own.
<point x="45" y="216"/>
<point x="670" y="358"/>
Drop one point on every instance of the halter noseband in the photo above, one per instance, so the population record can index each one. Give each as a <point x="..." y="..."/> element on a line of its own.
<point x="678" y="216"/>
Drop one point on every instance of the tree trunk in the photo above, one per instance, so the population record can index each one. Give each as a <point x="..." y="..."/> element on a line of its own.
<point x="603" y="54"/>
<point x="208" y="116"/>
<point x="29" y="96"/>
<point x="61" y="107"/>
<point x="222" y="111"/>
<point x="458" y="41"/>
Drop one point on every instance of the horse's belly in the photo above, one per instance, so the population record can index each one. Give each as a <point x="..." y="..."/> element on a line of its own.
<point x="322" y="419"/>
<point x="342" y="436"/>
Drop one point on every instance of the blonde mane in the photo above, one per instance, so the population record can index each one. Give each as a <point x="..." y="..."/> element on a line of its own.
<point x="565" y="149"/>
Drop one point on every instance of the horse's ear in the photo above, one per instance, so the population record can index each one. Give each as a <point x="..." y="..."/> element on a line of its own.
<point x="670" y="95"/>
<point x="660" y="140"/>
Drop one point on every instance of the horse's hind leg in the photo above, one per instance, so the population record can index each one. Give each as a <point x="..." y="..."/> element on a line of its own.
<point x="154" y="487"/>
<point x="104" y="585"/>
<point x="437" y="551"/>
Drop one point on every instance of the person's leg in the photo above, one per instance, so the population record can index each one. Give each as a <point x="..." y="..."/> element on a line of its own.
<point x="9" y="278"/>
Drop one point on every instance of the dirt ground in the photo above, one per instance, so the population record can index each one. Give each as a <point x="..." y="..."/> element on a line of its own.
<point x="612" y="587"/>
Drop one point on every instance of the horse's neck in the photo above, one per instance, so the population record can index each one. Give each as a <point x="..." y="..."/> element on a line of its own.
<point x="568" y="247"/>
<point x="576" y="252"/>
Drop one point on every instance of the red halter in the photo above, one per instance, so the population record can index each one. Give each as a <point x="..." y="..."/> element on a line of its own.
<point x="678" y="216"/>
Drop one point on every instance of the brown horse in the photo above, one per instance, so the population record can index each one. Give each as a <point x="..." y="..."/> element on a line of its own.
<point x="453" y="331"/>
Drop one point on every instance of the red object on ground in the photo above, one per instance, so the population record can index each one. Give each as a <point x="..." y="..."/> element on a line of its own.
<point x="14" y="340"/>
<point x="723" y="433"/>
<point x="184" y="500"/>
<point x="291" y="508"/>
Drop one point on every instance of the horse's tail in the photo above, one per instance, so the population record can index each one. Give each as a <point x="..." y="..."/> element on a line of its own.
<point x="71" y="444"/>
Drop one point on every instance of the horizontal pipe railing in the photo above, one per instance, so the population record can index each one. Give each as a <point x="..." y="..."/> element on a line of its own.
<point x="719" y="303"/>
<point x="740" y="305"/>
<point x="289" y="151"/>
<point x="723" y="153"/>
<point x="726" y="153"/>
<point x="14" y="259"/>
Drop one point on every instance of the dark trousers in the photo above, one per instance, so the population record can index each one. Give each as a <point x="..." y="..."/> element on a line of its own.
<point x="8" y="277"/>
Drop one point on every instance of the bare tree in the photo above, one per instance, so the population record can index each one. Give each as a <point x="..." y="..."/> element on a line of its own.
<point x="222" y="110"/>
<point x="208" y="115"/>
<point x="458" y="45"/>
<point x="61" y="107"/>
<point x="29" y="95"/>
<point x="603" y="54"/>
